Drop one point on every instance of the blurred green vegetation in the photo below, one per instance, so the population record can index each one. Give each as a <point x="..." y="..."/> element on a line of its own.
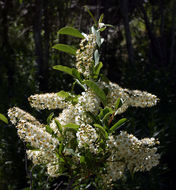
<point x="138" y="53"/>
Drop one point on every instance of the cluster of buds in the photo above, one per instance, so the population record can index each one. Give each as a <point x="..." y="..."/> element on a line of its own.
<point x="84" y="55"/>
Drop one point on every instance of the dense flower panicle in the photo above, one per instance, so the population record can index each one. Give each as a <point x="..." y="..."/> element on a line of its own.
<point x="87" y="102"/>
<point x="16" y="114"/>
<point x="54" y="127"/>
<point x="139" y="155"/>
<point x="53" y="169"/>
<point x="135" y="98"/>
<point x="47" y="101"/>
<point x="67" y="115"/>
<point x="87" y="137"/>
<point x="142" y="99"/>
<point x="41" y="157"/>
<point x="36" y="136"/>
<point x="84" y="55"/>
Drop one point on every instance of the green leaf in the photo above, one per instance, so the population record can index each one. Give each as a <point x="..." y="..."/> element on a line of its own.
<point x="102" y="29"/>
<point x="118" y="124"/>
<point x="101" y="18"/>
<point x="87" y="9"/>
<point x="65" y="69"/>
<point x="63" y="94"/>
<point x="50" y="118"/>
<point x="82" y="159"/>
<point x="98" y="91"/>
<point x="76" y="74"/>
<point x="96" y="57"/>
<point x="58" y="125"/>
<point x="118" y="103"/>
<point x="70" y="31"/>
<point x="104" y="111"/>
<point x="102" y="130"/>
<point x="3" y="118"/>
<point x="72" y="126"/>
<point x="49" y="130"/>
<point x="97" y="69"/>
<point x="106" y="117"/>
<point x="65" y="48"/>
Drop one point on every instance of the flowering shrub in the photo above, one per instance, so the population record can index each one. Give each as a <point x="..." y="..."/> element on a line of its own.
<point x="86" y="142"/>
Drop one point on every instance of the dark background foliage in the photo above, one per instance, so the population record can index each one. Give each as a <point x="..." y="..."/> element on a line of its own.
<point x="139" y="53"/>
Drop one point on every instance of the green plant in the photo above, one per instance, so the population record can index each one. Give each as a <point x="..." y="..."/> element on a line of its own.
<point x="84" y="142"/>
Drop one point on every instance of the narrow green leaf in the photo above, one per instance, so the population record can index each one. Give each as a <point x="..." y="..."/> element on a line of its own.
<point x="76" y="74"/>
<point x="70" y="31"/>
<point x="118" y="124"/>
<point x="118" y="103"/>
<point x="103" y="131"/>
<point x="3" y="118"/>
<point x="102" y="29"/>
<point x="97" y="69"/>
<point x="98" y="91"/>
<point x="87" y="9"/>
<point x="50" y="118"/>
<point x="96" y="57"/>
<point x="64" y="69"/>
<point x="101" y="18"/>
<point x="106" y="117"/>
<point x="72" y="126"/>
<point x="58" y="125"/>
<point x="65" y="48"/>
<point x="61" y="147"/>
<point x="49" y="130"/>
<point x="104" y="111"/>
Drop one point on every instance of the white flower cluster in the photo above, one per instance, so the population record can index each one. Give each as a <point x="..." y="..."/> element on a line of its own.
<point x="129" y="152"/>
<point x="84" y="55"/>
<point x="135" y="98"/>
<point x="87" y="102"/>
<point x="41" y="157"/>
<point x="87" y="138"/>
<point x="125" y="151"/>
<point x="36" y="136"/>
<point x="47" y="101"/>
<point x="32" y="131"/>
<point x="16" y="114"/>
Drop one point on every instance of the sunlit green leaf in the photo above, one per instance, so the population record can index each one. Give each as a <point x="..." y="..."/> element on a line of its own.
<point x="3" y="118"/>
<point x="58" y="125"/>
<point x="102" y="130"/>
<point x="50" y="118"/>
<point x="101" y="18"/>
<point x="63" y="68"/>
<point x="97" y="69"/>
<point x="118" y="103"/>
<point x="98" y="91"/>
<point x="82" y="159"/>
<point x="63" y="94"/>
<point x="70" y="31"/>
<point x="72" y="126"/>
<point x="118" y="124"/>
<point x="65" y="48"/>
